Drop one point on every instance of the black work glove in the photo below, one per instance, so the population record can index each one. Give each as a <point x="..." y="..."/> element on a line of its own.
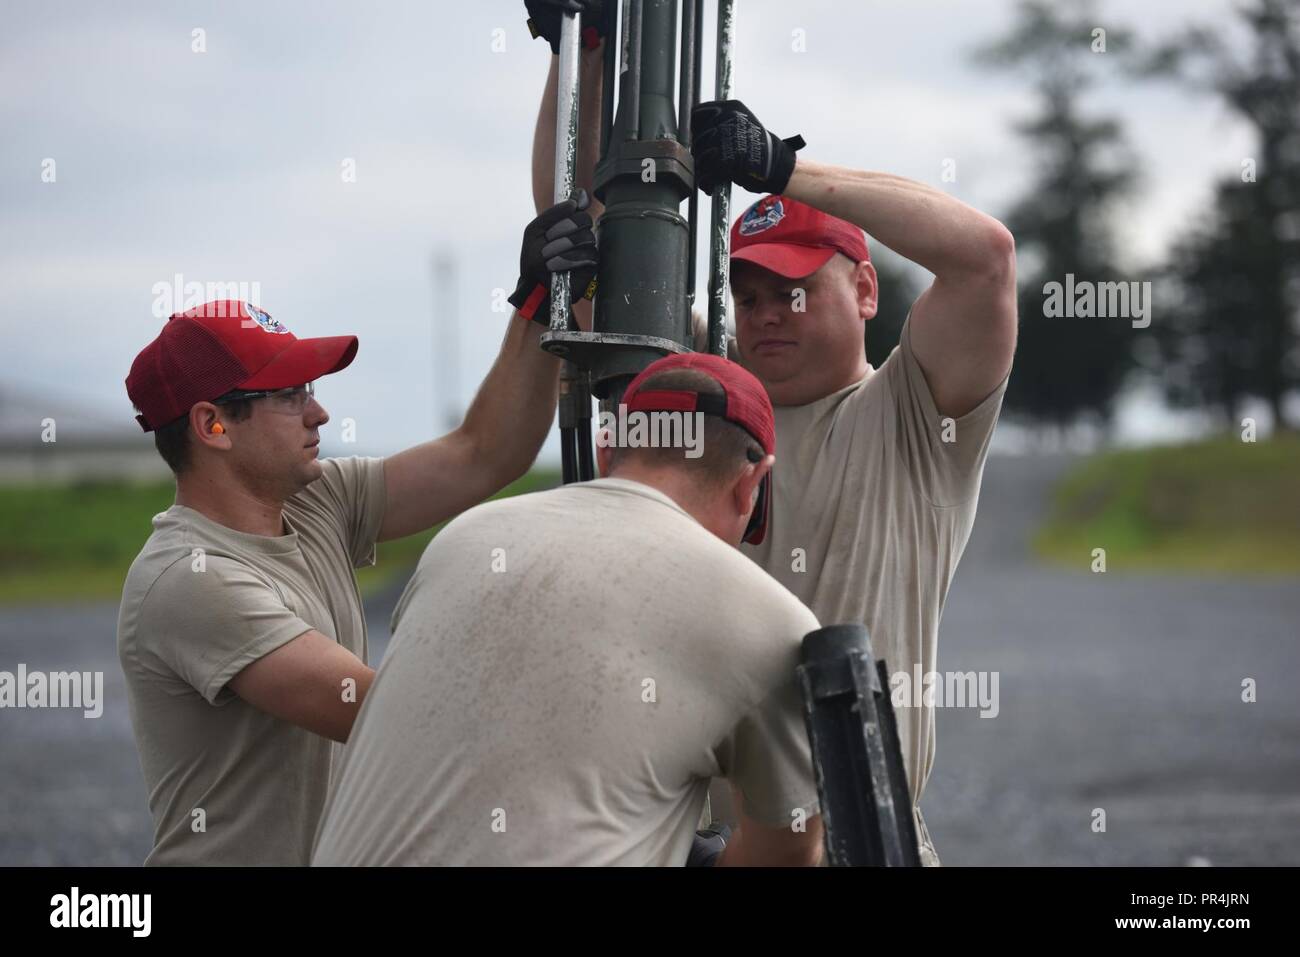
<point x="544" y="20"/>
<point x="707" y="845"/>
<point x="559" y="240"/>
<point x="729" y="143"/>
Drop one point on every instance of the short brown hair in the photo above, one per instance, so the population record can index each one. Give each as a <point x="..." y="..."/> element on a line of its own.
<point x="173" y="439"/>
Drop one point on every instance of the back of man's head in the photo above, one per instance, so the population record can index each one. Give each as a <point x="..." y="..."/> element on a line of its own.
<point x="710" y="457"/>
<point x="706" y="445"/>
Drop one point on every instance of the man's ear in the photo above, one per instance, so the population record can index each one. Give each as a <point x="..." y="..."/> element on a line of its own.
<point x="203" y="417"/>
<point x="604" y="454"/>
<point x="744" y="492"/>
<point x="868" y="292"/>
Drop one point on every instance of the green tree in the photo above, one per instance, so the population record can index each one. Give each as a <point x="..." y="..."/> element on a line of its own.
<point x="1234" y="331"/>
<point x="1066" y="367"/>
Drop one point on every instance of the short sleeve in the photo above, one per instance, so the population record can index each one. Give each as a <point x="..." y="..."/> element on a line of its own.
<point x="209" y="623"/>
<point x="767" y="757"/>
<point x="945" y="455"/>
<point x="350" y="494"/>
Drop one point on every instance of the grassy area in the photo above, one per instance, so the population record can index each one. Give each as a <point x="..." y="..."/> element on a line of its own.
<point x="76" y="542"/>
<point x="1222" y="506"/>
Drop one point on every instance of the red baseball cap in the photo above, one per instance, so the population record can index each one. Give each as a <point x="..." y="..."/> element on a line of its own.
<point x="792" y="238"/>
<point x="227" y="344"/>
<point x="744" y="402"/>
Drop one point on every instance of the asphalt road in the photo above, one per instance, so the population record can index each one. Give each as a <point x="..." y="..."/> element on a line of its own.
<point x="1116" y="692"/>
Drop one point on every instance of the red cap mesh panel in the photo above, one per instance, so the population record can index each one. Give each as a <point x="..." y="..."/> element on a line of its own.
<point x="196" y="366"/>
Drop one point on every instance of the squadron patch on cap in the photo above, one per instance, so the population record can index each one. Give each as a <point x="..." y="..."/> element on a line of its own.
<point x="264" y="319"/>
<point x="762" y="216"/>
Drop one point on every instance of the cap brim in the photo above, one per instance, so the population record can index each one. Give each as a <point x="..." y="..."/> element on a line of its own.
<point x="305" y="360"/>
<point x="786" y="259"/>
<point x="760" y="532"/>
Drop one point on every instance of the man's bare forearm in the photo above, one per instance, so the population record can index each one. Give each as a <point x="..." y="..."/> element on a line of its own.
<point x="591" y="83"/>
<point x="918" y="222"/>
<point x="502" y="433"/>
<point x="512" y="412"/>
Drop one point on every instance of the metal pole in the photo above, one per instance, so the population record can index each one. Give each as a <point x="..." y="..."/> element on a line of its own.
<point x="632" y="78"/>
<point x="572" y="395"/>
<point x="720" y="225"/>
<point x="566" y="150"/>
<point x="582" y="434"/>
<point x="609" y="76"/>
<point x="568" y="437"/>
<point x="687" y="100"/>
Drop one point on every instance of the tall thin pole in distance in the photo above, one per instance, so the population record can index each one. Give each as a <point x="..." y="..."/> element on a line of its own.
<point x="446" y="342"/>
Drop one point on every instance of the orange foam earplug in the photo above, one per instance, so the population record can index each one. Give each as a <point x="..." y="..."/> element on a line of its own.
<point x="218" y="429"/>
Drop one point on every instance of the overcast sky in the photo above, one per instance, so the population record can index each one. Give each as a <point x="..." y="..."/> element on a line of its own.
<point x="226" y="165"/>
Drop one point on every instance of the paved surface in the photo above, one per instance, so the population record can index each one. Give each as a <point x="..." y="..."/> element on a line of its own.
<point x="1119" y="692"/>
<point x="1116" y="691"/>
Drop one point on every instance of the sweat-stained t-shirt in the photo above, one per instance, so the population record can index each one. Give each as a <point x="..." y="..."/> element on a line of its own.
<point x="871" y="510"/>
<point x="568" y="670"/>
<point x="228" y="783"/>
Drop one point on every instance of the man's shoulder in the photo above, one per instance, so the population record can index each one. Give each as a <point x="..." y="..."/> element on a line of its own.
<point x="578" y="504"/>
<point x="171" y="539"/>
<point x="745" y="591"/>
<point x="341" y="481"/>
<point x="178" y="567"/>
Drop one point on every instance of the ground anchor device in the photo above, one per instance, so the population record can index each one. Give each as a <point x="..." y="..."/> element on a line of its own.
<point x="645" y="289"/>
<point x="642" y="311"/>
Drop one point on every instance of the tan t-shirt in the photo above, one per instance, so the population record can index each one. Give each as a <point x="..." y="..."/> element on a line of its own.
<point x="568" y="670"/>
<point x="228" y="783"/>
<point x="871" y="510"/>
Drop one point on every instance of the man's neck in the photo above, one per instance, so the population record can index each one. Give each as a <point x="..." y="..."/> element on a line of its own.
<point x="227" y="503"/>
<point x="780" y="400"/>
<point x="671" y="484"/>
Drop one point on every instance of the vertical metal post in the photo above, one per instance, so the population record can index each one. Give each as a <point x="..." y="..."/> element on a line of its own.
<point x="609" y="76"/>
<point x="720" y="224"/>
<point x="687" y="99"/>
<point x="643" y="178"/>
<point x="566" y="150"/>
<point x="574" y="399"/>
<point x="632" y="75"/>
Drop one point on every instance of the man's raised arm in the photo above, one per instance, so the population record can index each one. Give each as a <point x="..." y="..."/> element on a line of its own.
<point x="963" y="328"/>
<point x="508" y="420"/>
<point x="590" y="83"/>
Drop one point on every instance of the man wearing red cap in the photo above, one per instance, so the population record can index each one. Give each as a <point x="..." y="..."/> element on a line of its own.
<point x="241" y="632"/>
<point x="550" y="720"/>
<point x="875" y="494"/>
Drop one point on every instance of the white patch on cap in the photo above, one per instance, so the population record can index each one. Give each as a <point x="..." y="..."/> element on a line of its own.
<point x="762" y="216"/>
<point x="263" y="319"/>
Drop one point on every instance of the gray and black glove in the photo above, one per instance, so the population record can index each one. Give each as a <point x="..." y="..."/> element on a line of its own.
<point x="544" y="20"/>
<point x="560" y="239"/>
<point x="728" y="143"/>
<point x="707" y="845"/>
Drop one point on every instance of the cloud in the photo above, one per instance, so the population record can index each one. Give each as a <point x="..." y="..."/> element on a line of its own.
<point x="226" y="165"/>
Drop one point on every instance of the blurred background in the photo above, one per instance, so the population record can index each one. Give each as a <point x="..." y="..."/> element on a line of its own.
<point x="365" y="169"/>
